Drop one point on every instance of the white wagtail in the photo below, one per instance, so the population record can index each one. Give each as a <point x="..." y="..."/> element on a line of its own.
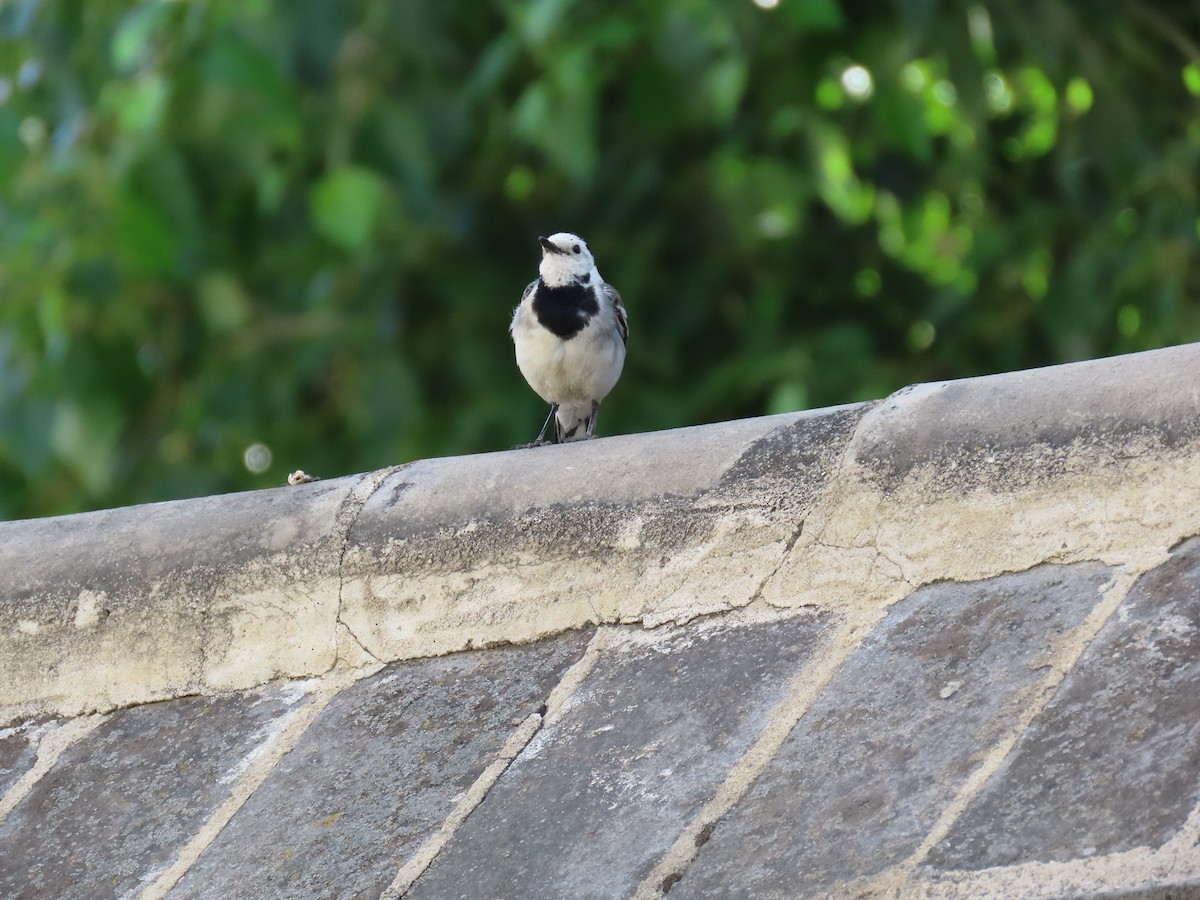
<point x="570" y="331"/>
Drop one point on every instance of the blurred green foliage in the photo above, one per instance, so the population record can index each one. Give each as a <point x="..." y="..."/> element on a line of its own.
<point x="230" y="226"/>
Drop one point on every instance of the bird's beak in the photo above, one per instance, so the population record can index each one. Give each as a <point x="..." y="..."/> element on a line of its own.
<point x="548" y="247"/>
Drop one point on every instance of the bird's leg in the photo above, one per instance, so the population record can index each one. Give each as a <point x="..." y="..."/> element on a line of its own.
<point x="541" y="438"/>
<point x="591" y="422"/>
<point x="541" y="435"/>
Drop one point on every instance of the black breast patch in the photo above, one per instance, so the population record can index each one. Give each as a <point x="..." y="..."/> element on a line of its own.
<point x="564" y="310"/>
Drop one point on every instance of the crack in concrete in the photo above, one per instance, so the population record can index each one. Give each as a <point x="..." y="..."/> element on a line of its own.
<point x="904" y="577"/>
<point x="358" y="643"/>
<point x="346" y="518"/>
<point x="783" y="558"/>
<point x="794" y="538"/>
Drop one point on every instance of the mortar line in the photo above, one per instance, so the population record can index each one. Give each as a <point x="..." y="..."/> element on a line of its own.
<point x="1035" y="700"/>
<point x="802" y="691"/>
<point x="1186" y="839"/>
<point x="837" y="477"/>
<point x="798" y="532"/>
<point x="266" y="756"/>
<point x="50" y="747"/>
<point x="844" y="457"/>
<point x="557" y="703"/>
<point x="1120" y="871"/>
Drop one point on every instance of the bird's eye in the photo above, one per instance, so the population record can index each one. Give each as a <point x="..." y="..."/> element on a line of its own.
<point x="575" y="249"/>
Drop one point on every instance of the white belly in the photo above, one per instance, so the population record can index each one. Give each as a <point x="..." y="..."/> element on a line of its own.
<point x="580" y="370"/>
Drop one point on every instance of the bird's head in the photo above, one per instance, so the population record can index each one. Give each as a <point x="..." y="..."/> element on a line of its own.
<point x="566" y="258"/>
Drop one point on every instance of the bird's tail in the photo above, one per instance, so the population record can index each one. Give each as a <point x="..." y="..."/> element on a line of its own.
<point x="575" y="421"/>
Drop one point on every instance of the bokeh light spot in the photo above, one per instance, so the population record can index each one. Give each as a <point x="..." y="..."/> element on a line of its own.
<point x="1079" y="96"/>
<point x="1129" y="321"/>
<point x="867" y="282"/>
<point x="998" y="93"/>
<point x="1036" y="282"/>
<point x="519" y="184"/>
<point x="857" y="82"/>
<point x="29" y="74"/>
<point x="979" y="25"/>
<point x="32" y="132"/>
<point x="914" y="77"/>
<point x="1191" y="78"/>
<point x="257" y="458"/>
<point x="945" y="93"/>
<point x="773" y="224"/>
<point x="921" y="335"/>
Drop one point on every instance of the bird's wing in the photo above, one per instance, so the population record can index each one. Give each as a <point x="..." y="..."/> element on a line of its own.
<point x="619" y="308"/>
<point x="512" y="327"/>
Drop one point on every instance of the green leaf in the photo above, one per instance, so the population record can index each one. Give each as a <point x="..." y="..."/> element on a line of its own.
<point x="838" y="185"/>
<point x="84" y="436"/>
<point x="559" y="120"/>
<point x="813" y="15"/>
<point x="1191" y="78"/>
<point x="223" y="302"/>
<point x="146" y="240"/>
<point x="134" y="33"/>
<point x="345" y="205"/>
<point x="139" y="104"/>
<point x="726" y="82"/>
<point x="1079" y="96"/>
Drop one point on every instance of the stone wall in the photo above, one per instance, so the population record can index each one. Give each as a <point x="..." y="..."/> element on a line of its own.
<point x="943" y="644"/>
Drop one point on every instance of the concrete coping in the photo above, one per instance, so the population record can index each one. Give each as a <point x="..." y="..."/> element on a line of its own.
<point x="851" y="507"/>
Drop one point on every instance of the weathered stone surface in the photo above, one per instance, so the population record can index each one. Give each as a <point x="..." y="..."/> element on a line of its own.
<point x="1113" y="762"/>
<point x="867" y="770"/>
<point x="119" y="802"/>
<point x="678" y="523"/>
<point x="594" y="800"/>
<point x="1189" y="889"/>
<point x="1006" y="432"/>
<point x="18" y="751"/>
<point x="839" y="510"/>
<point x="376" y="773"/>
<point x="133" y="604"/>
<point x="969" y="479"/>
<point x="960" y="480"/>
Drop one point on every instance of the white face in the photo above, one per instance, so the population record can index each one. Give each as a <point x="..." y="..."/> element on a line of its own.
<point x="565" y="258"/>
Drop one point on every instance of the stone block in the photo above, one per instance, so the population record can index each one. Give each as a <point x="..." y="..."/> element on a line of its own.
<point x="122" y="800"/>
<point x="376" y="774"/>
<point x="866" y="772"/>
<point x="1113" y="762"/>
<point x="596" y="799"/>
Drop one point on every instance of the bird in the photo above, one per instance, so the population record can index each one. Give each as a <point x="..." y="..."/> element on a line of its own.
<point x="570" y="331"/>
